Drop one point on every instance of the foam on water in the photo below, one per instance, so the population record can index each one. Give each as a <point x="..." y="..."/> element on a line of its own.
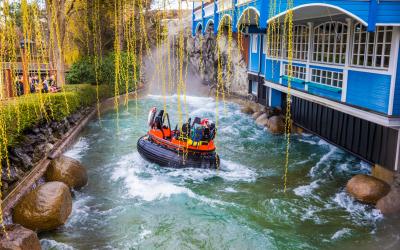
<point x="52" y="244"/>
<point x="341" y="233"/>
<point x="356" y="209"/>
<point x="307" y="190"/>
<point x="79" y="149"/>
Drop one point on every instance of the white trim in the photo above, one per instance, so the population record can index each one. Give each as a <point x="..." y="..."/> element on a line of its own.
<point x="396" y="164"/>
<point x="269" y="96"/>
<point x="393" y="66"/>
<point x="347" y="59"/>
<point x="320" y="4"/>
<point x="197" y="14"/>
<point x="207" y="12"/>
<point x="254" y="47"/>
<point x="366" y="115"/>
<point x="342" y="67"/>
<point x="244" y="2"/>
<point x="387" y="24"/>
<point x="250" y="7"/>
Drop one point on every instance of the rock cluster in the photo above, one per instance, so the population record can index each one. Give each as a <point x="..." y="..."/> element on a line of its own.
<point x="35" y="144"/>
<point x="367" y="189"/>
<point x="267" y="117"/>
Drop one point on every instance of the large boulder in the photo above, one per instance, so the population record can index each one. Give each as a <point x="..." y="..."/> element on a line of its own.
<point x="19" y="238"/>
<point x="367" y="189"/>
<point x="67" y="170"/>
<point x="390" y="204"/>
<point x="257" y="114"/>
<point x="45" y="208"/>
<point x="276" y="124"/>
<point x="262" y="120"/>
<point x="247" y="109"/>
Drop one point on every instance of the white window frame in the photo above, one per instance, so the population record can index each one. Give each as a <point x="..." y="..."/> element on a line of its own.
<point x="326" y="50"/>
<point x="254" y="87"/>
<point x="327" y="77"/>
<point x="300" y="43"/>
<point x="254" y="43"/>
<point x="274" y="50"/>
<point x="265" y="48"/>
<point x="365" y="47"/>
<point x="299" y="72"/>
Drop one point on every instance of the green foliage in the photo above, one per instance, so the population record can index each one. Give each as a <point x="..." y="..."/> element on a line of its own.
<point x="84" y="71"/>
<point x="23" y="113"/>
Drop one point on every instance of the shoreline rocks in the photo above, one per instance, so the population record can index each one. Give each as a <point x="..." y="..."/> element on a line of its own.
<point x="367" y="189"/>
<point x="68" y="171"/>
<point x="45" y="208"/>
<point x="390" y="204"/>
<point x="35" y="144"/>
<point x="19" y="238"/>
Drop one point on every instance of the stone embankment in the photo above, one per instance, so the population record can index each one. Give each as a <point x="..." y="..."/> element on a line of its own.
<point x="48" y="204"/>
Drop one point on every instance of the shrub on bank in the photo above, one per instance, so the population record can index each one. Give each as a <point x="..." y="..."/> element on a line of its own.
<point x="25" y="112"/>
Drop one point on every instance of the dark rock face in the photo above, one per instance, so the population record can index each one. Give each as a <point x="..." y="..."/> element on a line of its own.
<point x="45" y="208"/>
<point x="367" y="189"/>
<point x="67" y="170"/>
<point x="34" y="145"/>
<point x="19" y="238"/>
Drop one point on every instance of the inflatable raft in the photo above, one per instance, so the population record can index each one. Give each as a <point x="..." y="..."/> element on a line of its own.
<point x="191" y="146"/>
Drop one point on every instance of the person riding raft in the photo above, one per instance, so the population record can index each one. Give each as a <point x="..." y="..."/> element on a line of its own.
<point x="190" y="146"/>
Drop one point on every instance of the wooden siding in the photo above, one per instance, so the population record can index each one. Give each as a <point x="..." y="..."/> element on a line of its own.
<point x="372" y="142"/>
<point x="254" y="57"/>
<point x="272" y="70"/>
<point x="368" y="90"/>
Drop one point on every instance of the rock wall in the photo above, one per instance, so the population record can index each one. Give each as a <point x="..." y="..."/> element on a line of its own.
<point x="34" y="145"/>
<point x="203" y="55"/>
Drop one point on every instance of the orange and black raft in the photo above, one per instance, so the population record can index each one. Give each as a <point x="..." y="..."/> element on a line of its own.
<point x="192" y="146"/>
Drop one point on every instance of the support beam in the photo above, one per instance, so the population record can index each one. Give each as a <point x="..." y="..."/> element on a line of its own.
<point x="373" y="8"/>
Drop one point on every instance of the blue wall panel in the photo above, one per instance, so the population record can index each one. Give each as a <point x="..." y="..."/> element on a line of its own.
<point x="396" y="100"/>
<point x="294" y="84"/>
<point x="272" y="70"/>
<point x="254" y="57"/>
<point x="276" y="98"/>
<point x="368" y="90"/>
<point x="325" y="93"/>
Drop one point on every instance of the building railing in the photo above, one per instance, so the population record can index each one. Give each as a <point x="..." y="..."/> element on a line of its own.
<point x="241" y="2"/>
<point x="197" y="15"/>
<point x="209" y="10"/>
<point x="224" y="5"/>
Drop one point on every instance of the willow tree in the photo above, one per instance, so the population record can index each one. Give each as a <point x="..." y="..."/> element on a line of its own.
<point x="57" y="14"/>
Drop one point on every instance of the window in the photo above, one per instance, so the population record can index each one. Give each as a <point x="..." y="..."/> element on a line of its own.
<point x="254" y="87"/>
<point x="297" y="71"/>
<point x="274" y="43"/>
<point x="254" y="40"/>
<point x="326" y="77"/>
<point x="265" y="44"/>
<point x="372" y="49"/>
<point x="300" y="43"/>
<point x="330" y="43"/>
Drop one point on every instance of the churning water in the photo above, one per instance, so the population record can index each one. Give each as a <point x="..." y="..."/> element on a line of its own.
<point x="132" y="204"/>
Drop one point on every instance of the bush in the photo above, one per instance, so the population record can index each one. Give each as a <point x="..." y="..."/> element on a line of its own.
<point x="25" y="112"/>
<point x="84" y="71"/>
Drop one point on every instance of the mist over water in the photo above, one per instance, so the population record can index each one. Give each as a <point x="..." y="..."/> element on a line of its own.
<point x="162" y="68"/>
<point x="130" y="203"/>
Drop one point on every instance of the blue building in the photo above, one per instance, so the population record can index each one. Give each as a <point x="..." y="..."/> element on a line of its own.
<point x="346" y="67"/>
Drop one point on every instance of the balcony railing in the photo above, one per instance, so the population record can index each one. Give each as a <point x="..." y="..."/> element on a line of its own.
<point x="197" y="15"/>
<point x="209" y="10"/>
<point x="224" y="5"/>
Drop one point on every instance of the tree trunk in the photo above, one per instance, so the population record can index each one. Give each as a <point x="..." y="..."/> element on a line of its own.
<point x="57" y="26"/>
